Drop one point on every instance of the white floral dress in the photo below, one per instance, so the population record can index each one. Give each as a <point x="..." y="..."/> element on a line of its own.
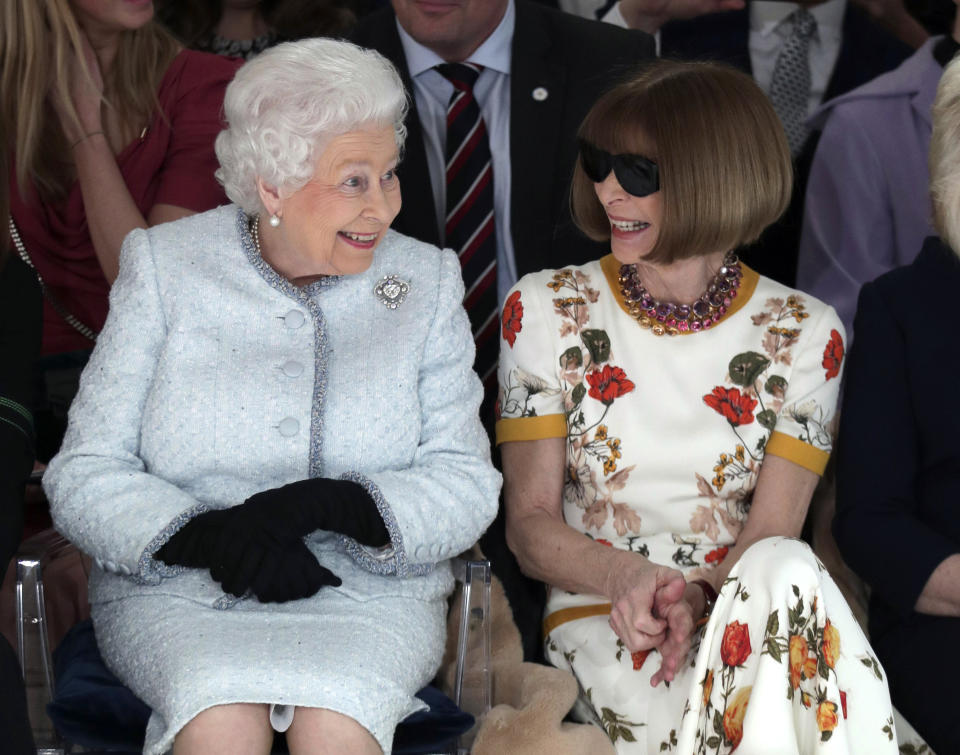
<point x="665" y="439"/>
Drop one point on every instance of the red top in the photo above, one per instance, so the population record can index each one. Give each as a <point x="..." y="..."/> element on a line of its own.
<point x="172" y="163"/>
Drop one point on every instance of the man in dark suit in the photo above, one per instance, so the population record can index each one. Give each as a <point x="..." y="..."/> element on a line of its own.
<point x="541" y="70"/>
<point x="866" y="51"/>
<point x="558" y="65"/>
<point x="848" y="49"/>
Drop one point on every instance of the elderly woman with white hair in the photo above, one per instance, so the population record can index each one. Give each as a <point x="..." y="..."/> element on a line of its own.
<point x="275" y="448"/>
<point x="898" y="470"/>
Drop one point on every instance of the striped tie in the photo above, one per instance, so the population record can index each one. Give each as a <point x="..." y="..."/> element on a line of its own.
<point x="470" y="219"/>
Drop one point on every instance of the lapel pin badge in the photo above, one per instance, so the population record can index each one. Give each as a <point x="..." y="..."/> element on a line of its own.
<point x="540" y="94"/>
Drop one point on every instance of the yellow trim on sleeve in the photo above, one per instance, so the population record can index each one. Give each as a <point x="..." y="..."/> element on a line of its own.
<point x="611" y="270"/>
<point x="789" y="448"/>
<point x="531" y="428"/>
<point x="557" y="618"/>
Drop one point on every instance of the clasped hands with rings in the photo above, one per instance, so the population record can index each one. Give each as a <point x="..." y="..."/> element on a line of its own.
<point x="654" y="607"/>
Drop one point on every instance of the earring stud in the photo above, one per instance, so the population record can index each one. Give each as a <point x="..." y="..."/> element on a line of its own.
<point x="274" y="220"/>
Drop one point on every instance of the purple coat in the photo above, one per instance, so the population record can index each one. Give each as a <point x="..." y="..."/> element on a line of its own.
<point x="867" y="206"/>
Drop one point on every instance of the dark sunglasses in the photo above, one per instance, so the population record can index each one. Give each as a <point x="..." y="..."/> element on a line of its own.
<point x="637" y="175"/>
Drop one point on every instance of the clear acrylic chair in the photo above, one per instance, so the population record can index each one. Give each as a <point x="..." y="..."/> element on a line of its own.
<point x="472" y="683"/>
<point x="472" y="686"/>
<point x="33" y="645"/>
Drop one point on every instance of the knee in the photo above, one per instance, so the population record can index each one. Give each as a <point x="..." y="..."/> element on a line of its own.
<point x="780" y="563"/>
<point x="319" y="730"/>
<point x="216" y="729"/>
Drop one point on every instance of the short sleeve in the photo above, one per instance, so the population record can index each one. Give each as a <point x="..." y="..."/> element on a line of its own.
<point x="195" y="113"/>
<point x="807" y="422"/>
<point x="530" y="402"/>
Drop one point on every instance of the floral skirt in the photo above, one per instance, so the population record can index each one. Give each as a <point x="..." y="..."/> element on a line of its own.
<point x="781" y="667"/>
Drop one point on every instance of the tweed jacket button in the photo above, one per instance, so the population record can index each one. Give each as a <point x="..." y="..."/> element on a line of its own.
<point x="288" y="427"/>
<point x="294" y="319"/>
<point x="292" y="369"/>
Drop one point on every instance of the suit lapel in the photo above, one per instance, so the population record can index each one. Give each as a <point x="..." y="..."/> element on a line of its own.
<point x="537" y="84"/>
<point x="417" y="216"/>
<point x="865" y="53"/>
<point x="847" y="60"/>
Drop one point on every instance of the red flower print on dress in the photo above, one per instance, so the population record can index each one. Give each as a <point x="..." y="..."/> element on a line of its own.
<point x="638" y="659"/>
<point x="717" y="555"/>
<point x="833" y="355"/>
<point x="843" y="702"/>
<point x="735" y="645"/>
<point x="609" y="383"/>
<point x="511" y="319"/>
<point x="736" y="407"/>
<point x="601" y="541"/>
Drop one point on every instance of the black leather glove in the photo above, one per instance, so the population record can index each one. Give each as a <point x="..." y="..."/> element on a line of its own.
<point x="297" y="509"/>
<point x="242" y="560"/>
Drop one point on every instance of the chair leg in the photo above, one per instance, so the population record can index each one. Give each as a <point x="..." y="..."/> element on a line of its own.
<point x="472" y="686"/>
<point x="33" y="650"/>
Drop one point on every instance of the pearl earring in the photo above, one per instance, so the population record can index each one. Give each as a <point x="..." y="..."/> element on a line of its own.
<point x="274" y="220"/>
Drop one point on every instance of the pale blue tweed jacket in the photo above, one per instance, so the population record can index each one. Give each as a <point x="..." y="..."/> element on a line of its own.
<point x="214" y="378"/>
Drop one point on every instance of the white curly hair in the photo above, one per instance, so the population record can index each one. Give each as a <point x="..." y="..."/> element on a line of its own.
<point x="284" y="106"/>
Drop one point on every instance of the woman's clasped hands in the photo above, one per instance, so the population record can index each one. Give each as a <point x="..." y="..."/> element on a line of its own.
<point x="258" y="546"/>
<point x="653" y="607"/>
<point x="243" y="557"/>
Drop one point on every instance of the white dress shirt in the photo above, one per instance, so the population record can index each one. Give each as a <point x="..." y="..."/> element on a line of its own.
<point x="432" y="93"/>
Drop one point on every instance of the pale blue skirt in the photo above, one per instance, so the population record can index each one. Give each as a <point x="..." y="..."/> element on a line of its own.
<point x="364" y="659"/>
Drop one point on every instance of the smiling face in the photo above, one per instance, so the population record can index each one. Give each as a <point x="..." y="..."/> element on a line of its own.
<point x="635" y="222"/>
<point x="332" y="225"/>
<point x="110" y="16"/>
<point x="451" y="28"/>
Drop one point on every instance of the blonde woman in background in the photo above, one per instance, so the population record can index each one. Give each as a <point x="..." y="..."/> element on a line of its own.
<point x="110" y="128"/>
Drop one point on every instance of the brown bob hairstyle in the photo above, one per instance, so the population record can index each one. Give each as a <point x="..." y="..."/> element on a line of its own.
<point x="724" y="163"/>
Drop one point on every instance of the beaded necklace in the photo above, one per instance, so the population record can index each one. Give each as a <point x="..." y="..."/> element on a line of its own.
<point x="669" y="318"/>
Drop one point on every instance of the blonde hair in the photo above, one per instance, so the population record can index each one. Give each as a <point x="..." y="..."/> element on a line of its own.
<point x="944" y="160"/>
<point x="38" y="39"/>
<point x="724" y="164"/>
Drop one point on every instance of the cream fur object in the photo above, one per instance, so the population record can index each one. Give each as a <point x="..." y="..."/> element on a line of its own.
<point x="530" y="700"/>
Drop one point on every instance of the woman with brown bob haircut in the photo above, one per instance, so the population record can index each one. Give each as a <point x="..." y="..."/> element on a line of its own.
<point x="664" y="416"/>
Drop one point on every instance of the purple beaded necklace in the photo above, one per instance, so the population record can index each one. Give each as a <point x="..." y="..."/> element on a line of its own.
<point x="668" y="318"/>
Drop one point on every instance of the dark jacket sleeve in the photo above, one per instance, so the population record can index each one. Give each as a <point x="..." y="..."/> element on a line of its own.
<point x="20" y="322"/>
<point x="882" y="459"/>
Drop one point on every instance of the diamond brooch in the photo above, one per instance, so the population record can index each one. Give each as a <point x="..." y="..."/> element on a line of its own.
<point x="392" y="290"/>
